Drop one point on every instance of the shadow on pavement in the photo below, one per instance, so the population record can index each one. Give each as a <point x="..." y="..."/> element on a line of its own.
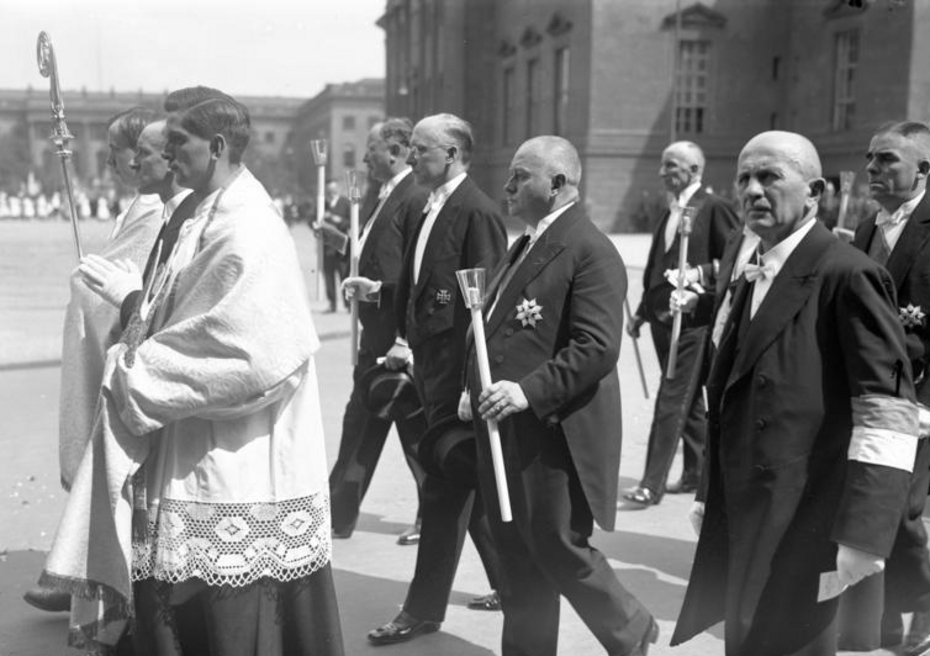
<point x="364" y="603"/>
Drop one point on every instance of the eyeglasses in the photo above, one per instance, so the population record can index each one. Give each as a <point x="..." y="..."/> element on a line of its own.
<point x="420" y="149"/>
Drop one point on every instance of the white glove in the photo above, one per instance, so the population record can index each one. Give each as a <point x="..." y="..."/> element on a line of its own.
<point x="696" y="516"/>
<point x="112" y="281"/>
<point x="853" y="565"/>
<point x="366" y="289"/>
<point x="692" y="276"/>
<point x="465" y="406"/>
<point x="685" y="301"/>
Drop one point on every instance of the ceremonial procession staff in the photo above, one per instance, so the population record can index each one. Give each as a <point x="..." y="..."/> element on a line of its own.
<point x="387" y="233"/>
<point x="205" y="481"/>
<point x="48" y="67"/>
<point x="554" y="329"/>
<point x="898" y="238"/>
<point x="460" y="229"/>
<point x="811" y="422"/>
<point x="679" y="413"/>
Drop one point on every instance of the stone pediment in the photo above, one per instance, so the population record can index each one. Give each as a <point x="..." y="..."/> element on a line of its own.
<point x="696" y="16"/>
<point x="558" y="25"/>
<point x="530" y="38"/>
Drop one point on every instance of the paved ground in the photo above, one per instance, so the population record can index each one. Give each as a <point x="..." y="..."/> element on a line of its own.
<point x="651" y="551"/>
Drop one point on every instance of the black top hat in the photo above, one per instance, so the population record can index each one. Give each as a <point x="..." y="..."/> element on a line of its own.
<point x="389" y="394"/>
<point x="448" y="449"/>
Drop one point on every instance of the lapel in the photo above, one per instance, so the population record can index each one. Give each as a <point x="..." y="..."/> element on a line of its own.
<point x="910" y="243"/>
<point x="442" y="228"/>
<point x="863" y="235"/>
<point x="550" y="244"/>
<point x="790" y="289"/>
<point x="384" y="216"/>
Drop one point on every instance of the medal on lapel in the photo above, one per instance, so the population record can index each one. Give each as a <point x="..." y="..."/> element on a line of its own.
<point x="529" y="312"/>
<point x="911" y="316"/>
<point x="443" y="297"/>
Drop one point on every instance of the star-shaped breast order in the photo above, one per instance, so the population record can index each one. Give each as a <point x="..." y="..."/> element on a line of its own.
<point x="911" y="316"/>
<point x="529" y="312"/>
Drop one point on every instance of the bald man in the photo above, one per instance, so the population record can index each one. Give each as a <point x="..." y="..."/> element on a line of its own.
<point x="679" y="413"/>
<point x="812" y="423"/>
<point x="553" y="329"/>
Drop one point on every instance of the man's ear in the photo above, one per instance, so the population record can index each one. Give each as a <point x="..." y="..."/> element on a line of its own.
<point x="817" y="187"/>
<point x="558" y="181"/>
<point x="394" y="149"/>
<point x="451" y="152"/>
<point x="923" y="167"/>
<point x="217" y="145"/>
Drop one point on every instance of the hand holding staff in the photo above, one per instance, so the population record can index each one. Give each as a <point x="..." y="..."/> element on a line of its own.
<point x="684" y="229"/>
<point x="318" y="147"/>
<point x="48" y="67"/>
<point x="471" y="282"/>
<point x="354" y="195"/>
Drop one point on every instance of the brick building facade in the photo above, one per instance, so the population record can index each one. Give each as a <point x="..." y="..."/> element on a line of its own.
<point x="599" y="72"/>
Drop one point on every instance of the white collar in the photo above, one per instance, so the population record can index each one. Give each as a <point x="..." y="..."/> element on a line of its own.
<point x="686" y="194"/>
<point x="534" y="232"/>
<point x="172" y="204"/>
<point x="391" y="184"/>
<point x="446" y="189"/>
<point x="775" y="258"/>
<point x="902" y="213"/>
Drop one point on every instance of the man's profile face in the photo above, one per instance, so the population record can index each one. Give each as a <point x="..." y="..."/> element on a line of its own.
<point x="675" y="171"/>
<point x="119" y="157"/>
<point x="378" y="158"/>
<point x="772" y="192"/>
<point x="893" y="169"/>
<point x="529" y="186"/>
<point x="189" y="156"/>
<point x="150" y="167"/>
<point x="429" y="157"/>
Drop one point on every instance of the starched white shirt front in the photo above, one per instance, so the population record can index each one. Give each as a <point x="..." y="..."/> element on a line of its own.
<point x="435" y="203"/>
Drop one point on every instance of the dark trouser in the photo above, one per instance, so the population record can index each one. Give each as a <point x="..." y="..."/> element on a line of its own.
<point x="363" y="436"/>
<point x="545" y="552"/>
<point x="905" y="584"/>
<point x="449" y="511"/>
<point x="266" y="618"/>
<point x="679" y="413"/>
<point x="334" y="263"/>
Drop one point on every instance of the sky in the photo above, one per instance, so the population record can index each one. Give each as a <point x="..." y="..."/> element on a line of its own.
<point x="247" y="47"/>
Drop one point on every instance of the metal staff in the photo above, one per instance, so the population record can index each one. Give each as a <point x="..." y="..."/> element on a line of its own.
<point x="639" y="358"/>
<point x="48" y="67"/>
<point x="846" y="183"/>
<point x="684" y="229"/>
<point x="318" y="147"/>
<point x="352" y="191"/>
<point x="471" y="282"/>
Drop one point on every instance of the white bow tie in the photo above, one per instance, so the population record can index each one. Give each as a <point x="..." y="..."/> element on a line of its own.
<point x="433" y="200"/>
<point x="755" y="272"/>
<point x="884" y="218"/>
<point x="384" y="192"/>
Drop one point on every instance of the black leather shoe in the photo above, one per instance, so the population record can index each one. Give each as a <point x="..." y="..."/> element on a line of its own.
<point x="917" y="642"/>
<point x="47" y="599"/>
<point x="642" y="495"/>
<point x="404" y="627"/>
<point x="410" y="536"/>
<point x="487" y="602"/>
<point x="342" y="535"/>
<point x="649" y="638"/>
<point x="685" y="485"/>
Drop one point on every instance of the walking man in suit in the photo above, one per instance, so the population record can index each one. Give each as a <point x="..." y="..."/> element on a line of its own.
<point x="335" y="215"/>
<point x="385" y="236"/>
<point x="679" y="413"/>
<point x="811" y="422"/>
<point x="460" y="229"/>
<point x="553" y="331"/>
<point x="898" y="238"/>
